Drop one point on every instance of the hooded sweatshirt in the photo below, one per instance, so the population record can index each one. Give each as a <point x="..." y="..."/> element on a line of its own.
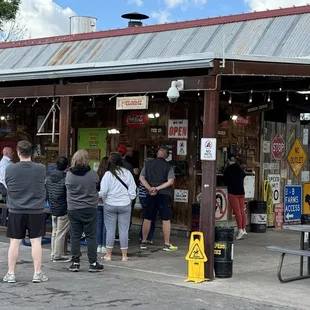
<point x="81" y="184"/>
<point x="56" y="193"/>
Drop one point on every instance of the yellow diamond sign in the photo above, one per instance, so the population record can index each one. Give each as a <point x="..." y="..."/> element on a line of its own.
<point x="296" y="157"/>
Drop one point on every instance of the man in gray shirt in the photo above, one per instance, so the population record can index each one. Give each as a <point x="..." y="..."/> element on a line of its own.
<point x="26" y="201"/>
<point x="157" y="177"/>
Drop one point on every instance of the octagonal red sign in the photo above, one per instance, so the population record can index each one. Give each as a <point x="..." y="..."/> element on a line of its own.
<point x="278" y="147"/>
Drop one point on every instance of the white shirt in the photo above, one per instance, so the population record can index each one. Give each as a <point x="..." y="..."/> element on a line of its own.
<point x="113" y="192"/>
<point x="5" y="161"/>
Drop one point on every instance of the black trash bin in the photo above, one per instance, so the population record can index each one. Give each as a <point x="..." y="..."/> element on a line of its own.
<point x="258" y="211"/>
<point x="305" y="219"/>
<point x="224" y="252"/>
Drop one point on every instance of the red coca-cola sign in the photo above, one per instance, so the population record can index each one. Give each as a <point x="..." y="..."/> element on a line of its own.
<point x="136" y="119"/>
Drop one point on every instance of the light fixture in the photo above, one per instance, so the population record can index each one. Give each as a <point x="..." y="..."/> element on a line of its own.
<point x="224" y="93"/>
<point x="153" y="96"/>
<point x="151" y="115"/>
<point x="157" y="115"/>
<point x="19" y="101"/>
<point x="3" y="100"/>
<point x="287" y="97"/>
<point x="113" y="131"/>
<point x="90" y="99"/>
<point x="2" y="118"/>
<point x="269" y="99"/>
<point x="307" y="98"/>
<point x="280" y="89"/>
<point x="198" y="94"/>
<point x="234" y="117"/>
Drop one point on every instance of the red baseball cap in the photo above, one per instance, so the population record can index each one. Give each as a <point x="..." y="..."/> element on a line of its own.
<point x="122" y="149"/>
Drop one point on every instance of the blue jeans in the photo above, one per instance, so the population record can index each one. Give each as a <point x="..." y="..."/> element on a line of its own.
<point x="101" y="230"/>
<point x="153" y="224"/>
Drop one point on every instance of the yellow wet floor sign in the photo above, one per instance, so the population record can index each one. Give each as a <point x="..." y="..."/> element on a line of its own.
<point x="196" y="258"/>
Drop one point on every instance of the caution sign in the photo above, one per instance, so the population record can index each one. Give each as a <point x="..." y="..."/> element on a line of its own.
<point x="306" y="198"/>
<point x="196" y="258"/>
<point x="196" y="252"/>
<point x="221" y="203"/>
<point x="296" y="157"/>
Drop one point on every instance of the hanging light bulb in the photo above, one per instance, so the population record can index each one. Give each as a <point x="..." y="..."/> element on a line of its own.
<point x="269" y="99"/>
<point x="287" y="97"/>
<point x="224" y="93"/>
<point x="19" y="101"/>
<point x="152" y="96"/>
<point x="90" y="98"/>
<point x="230" y="99"/>
<point x="307" y="98"/>
<point x="3" y="100"/>
<point x="280" y="89"/>
<point x="251" y="98"/>
<point x="198" y="94"/>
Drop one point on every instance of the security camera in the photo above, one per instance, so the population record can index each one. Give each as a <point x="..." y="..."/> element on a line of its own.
<point x="173" y="93"/>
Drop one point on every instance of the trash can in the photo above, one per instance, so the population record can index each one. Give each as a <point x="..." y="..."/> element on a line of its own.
<point x="305" y="219"/>
<point x="223" y="252"/>
<point x="195" y="216"/>
<point x="258" y="211"/>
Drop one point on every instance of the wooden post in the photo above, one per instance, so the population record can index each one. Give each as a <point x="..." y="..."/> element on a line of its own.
<point x="208" y="186"/>
<point x="65" y="126"/>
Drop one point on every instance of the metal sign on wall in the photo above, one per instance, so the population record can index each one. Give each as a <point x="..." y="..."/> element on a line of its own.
<point x="278" y="147"/>
<point x="296" y="157"/>
<point x="132" y="103"/>
<point x="292" y="203"/>
<point x="306" y="198"/>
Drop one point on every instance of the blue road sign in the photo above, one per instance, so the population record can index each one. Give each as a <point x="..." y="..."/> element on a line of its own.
<point x="292" y="203"/>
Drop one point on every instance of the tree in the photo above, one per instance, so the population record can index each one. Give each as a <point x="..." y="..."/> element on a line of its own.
<point x="14" y="30"/>
<point x="8" y="10"/>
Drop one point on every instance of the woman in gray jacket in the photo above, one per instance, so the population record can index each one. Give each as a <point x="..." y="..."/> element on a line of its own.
<point x="82" y="199"/>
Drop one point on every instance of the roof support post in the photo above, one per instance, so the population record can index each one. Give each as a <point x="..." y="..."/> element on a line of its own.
<point x="208" y="186"/>
<point x="65" y="126"/>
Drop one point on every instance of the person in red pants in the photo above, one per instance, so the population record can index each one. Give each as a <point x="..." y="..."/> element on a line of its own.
<point x="234" y="177"/>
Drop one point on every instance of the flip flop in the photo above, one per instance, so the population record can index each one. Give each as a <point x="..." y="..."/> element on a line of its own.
<point x="108" y="259"/>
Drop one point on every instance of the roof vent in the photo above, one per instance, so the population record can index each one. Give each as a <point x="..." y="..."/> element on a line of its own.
<point x="135" y="19"/>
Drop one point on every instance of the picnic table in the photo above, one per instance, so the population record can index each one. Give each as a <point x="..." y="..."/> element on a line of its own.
<point x="304" y="251"/>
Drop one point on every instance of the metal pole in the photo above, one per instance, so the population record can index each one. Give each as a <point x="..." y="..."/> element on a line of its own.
<point x="53" y="125"/>
<point x="208" y="186"/>
<point x="46" y="118"/>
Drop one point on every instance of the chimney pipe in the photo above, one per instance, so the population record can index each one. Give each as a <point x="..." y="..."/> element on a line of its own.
<point x="135" y="19"/>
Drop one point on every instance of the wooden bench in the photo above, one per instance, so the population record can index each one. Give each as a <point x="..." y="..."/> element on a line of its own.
<point x="283" y="252"/>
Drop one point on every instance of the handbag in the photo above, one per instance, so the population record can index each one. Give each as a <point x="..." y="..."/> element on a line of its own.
<point x="122" y="181"/>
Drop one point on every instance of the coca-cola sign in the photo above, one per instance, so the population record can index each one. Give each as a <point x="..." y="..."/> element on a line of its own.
<point x="135" y="119"/>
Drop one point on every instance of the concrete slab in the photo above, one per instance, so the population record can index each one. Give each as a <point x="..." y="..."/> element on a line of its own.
<point x="155" y="280"/>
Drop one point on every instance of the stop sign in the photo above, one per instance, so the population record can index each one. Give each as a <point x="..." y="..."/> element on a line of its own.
<point x="278" y="147"/>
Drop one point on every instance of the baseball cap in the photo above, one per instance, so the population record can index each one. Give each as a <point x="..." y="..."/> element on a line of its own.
<point x="122" y="149"/>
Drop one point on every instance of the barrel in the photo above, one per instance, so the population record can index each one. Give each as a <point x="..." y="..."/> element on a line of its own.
<point x="223" y="252"/>
<point x="258" y="211"/>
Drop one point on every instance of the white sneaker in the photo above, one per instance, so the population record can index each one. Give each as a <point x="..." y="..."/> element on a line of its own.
<point x="9" y="278"/>
<point x="99" y="249"/>
<point x="240" y="235"/>
<point x="103" y="250"/>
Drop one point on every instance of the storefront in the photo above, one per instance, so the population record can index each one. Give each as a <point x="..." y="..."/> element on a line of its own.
<point x="92" y="84"/>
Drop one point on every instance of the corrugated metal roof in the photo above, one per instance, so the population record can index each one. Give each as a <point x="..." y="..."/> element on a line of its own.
<point x="279" y="37"/>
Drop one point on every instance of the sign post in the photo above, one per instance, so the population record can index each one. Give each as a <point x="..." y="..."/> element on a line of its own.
<point x="292" y="203"/>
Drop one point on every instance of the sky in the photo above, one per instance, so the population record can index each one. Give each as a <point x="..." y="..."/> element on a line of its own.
<point x="42" y="18"/>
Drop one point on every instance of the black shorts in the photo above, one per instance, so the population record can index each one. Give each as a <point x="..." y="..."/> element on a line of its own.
<point x="19" y="223"/>
<point x="155" y="204"/>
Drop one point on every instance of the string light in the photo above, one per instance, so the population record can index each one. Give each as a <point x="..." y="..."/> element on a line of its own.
<point x="307" y="98"/>
<point x="287" y="97"/>
<point x="230" y="99"/>
<point x="251" y="97"/>
<point x="90" y="99"/>
<point x="3" y="100"/>
<point x="198" y="94"/>
<point x="269" y="97"/>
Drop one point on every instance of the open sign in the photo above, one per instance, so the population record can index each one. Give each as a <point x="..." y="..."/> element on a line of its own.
<point x="178" y="128"/>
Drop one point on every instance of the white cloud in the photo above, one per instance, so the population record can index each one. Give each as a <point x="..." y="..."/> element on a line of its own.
<point x="136" y="2"/>
<point x="161" y="16"/>
<point x="184" y="4"/>
<point x="44" y="18"/>
<point x="261" y="5"/>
